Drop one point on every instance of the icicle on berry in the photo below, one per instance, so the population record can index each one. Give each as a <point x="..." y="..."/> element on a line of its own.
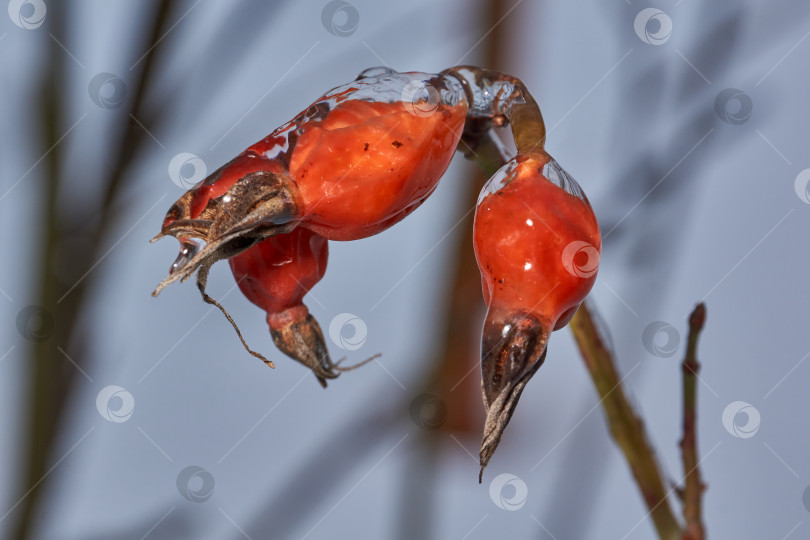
<point x="188" y="248"/>
<point x="537" y="244"/>
<point x="276" y="274"/>
<point x="355" y="162"/>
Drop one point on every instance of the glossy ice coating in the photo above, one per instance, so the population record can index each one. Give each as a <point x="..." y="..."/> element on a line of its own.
<point x="536" y="243"/>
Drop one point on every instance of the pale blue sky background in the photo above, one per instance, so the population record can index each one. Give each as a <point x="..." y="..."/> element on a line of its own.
<point x="702" y="209"/>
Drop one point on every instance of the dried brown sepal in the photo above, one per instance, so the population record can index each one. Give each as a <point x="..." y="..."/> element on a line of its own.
<point x="259" y="205"/>
<point x="512" y="350"/>
<point x="302" y="340"/>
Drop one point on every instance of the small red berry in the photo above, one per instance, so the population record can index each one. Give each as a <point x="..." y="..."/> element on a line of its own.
<point x="276" y="274"/>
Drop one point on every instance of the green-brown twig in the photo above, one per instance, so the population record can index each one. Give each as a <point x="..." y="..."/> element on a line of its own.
<point x="693" y="485"/>
<point x="626" y="427"/>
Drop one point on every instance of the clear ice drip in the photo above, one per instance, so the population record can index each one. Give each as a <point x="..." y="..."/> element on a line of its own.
<point x="501" y="100"/>
<point x="551" y="170"/>
<point x="188" y="249"/>
<point x="422" y="93"/>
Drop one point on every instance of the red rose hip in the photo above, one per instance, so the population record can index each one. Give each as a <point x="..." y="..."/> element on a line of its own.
<point x="537" y="244"/>
<point x="276" y="274"/>
<point x="357" y="161"/>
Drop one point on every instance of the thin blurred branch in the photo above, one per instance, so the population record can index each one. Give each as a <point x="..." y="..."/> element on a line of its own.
<point x="51" y="380"/>
<point x="694" y="487"/>
<point x="626" y="427"/>
<point x="327" y="466"/>
<point x="48" y="385"/>
<point x="133" y="139"/>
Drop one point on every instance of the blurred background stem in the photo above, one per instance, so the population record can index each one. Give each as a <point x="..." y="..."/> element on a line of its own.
<point x="457" y="352"/>
<point x="693" y="485"/>
<point x="49" y="380"/>
<point x="52" y="376"/>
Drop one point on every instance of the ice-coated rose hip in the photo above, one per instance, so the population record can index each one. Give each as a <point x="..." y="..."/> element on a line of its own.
<point x="355" y="162"/>
<point x="537" y="244"/>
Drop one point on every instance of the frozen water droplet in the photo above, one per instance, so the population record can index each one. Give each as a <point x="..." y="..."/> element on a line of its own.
<point x="376" y="71"/>
<point x="557" y="175"/>
<point x="498" y="180"/>
<point x="188" y="249"/>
